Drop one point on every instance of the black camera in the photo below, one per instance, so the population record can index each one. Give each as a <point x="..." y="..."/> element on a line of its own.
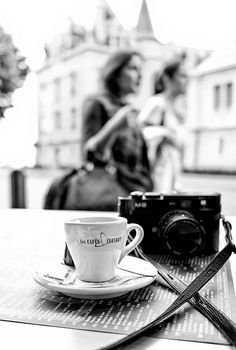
<point x="181" y="223"/>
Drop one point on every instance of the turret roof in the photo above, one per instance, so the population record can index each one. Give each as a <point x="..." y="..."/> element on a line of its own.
<point x="144" y="25"/>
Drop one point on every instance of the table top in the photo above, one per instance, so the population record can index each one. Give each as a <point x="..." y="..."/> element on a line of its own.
<point x="40" y="233"/>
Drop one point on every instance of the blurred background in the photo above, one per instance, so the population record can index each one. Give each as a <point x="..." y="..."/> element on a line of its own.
<point x="61" y="46"/>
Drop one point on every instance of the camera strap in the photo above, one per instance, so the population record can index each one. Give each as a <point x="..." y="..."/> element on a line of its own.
<point x="190" y="294"/>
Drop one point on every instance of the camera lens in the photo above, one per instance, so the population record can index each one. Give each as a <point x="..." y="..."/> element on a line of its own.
<point x="181" y="233"/>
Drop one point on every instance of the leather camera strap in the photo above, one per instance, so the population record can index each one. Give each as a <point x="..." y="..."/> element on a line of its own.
<point x="190" y="294"/>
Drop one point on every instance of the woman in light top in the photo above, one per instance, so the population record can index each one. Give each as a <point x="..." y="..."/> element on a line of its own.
<point x="162" y="121"/>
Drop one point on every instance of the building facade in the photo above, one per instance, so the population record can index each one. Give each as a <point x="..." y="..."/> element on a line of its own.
<point x="62" y="88"/>
<point x="211" y="120"/>
<point x="71" y="72"/>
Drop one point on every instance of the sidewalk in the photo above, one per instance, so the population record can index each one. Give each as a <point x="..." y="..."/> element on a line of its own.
<point x="37" y="181"/>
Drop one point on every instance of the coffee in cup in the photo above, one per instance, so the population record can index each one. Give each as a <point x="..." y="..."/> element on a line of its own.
<point x="98" y="244"/>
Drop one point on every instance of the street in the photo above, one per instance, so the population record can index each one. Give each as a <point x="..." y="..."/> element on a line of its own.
<point x="37" y="182"/>
<point x="224" y="184"/>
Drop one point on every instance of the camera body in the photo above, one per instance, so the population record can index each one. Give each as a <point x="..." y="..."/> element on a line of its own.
<point x="184" y="224"/>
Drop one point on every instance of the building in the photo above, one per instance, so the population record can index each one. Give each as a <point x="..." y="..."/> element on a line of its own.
<point x="71" y="72"/>
<point x="211" y="120"/>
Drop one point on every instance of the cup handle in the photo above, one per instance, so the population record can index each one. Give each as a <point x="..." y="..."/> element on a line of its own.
<point x="135" y="241"/>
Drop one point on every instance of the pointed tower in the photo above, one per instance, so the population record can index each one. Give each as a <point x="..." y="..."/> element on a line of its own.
<point x="144" y="34"/>
<point x="144" y="29"/>
<point x="151" y="48"/>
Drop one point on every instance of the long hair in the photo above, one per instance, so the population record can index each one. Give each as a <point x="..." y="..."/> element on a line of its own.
<point x="110" y="74"/>
<point x="169" y="71"/>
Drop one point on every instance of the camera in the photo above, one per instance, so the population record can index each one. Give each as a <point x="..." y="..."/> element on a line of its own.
<point x="184" y="224"/>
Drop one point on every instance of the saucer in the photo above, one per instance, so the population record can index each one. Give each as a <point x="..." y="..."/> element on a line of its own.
<point x="131" y="274"/>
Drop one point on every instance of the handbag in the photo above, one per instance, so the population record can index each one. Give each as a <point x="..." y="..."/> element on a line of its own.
<point x="91" y="187"/>
<point x="94" y="187"/>
<point x="55" y="195"/>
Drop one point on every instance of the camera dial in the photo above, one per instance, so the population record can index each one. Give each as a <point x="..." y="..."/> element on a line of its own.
<point x="181" y="234"/>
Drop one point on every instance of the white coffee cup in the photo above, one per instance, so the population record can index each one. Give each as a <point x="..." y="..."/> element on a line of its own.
<point x="98" y="244"/>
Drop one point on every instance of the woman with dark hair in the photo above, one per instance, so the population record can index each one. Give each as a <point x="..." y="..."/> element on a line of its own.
<point x="110" y="130"/>
<point x="162" y="121"/>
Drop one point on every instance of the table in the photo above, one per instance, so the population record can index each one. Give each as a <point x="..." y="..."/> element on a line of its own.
<point x="41" y="233"/>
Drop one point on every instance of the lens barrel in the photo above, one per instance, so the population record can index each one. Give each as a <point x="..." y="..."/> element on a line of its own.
<point x="181" y="234"/>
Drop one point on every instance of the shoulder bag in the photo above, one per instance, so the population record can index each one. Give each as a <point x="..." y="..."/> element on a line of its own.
<point x="93" y="186"/>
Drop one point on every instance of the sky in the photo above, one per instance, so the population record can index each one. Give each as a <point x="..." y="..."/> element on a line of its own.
<point x="203" y="24"/>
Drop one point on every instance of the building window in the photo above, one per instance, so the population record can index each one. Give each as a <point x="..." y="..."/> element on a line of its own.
<point x="57" y="89"/>
<point x="216" y="96"/>
<point x="57" y="156"/>
<point x="73" y="118"/>
<point x="58" y="120"/>
<point x="43" y="86"/>
<point x="73" y="82"/>
<point x="221" y="146"/>
<point x="229" y="94"/>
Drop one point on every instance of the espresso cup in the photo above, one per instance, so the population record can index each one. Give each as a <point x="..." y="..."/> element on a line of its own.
<point x="98" y="244"/>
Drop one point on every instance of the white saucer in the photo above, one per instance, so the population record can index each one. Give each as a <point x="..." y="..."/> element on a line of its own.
<point x="131" y="274"/>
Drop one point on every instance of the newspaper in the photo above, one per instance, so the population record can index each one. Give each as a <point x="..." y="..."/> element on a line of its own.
<point x="22" y="300"/>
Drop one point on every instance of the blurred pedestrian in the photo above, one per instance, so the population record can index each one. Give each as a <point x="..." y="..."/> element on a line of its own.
<point x="110" y="130"/>
<point x="162" y="120"/>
